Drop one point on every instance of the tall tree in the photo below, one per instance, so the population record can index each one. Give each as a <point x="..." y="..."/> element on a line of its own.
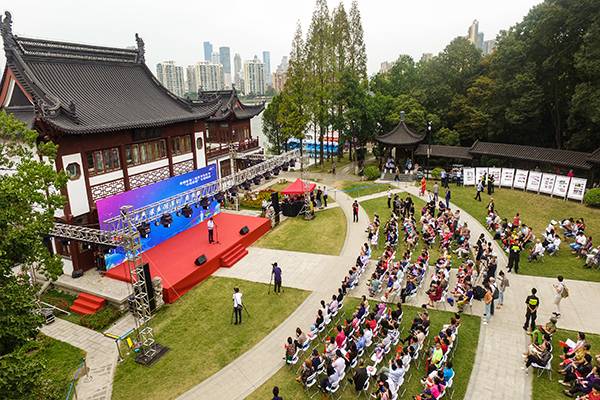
<point x="358" y="51"/>
<point x="319" y="62"/>
<point x="272" y="125"/>
<point x="293" y="115"/>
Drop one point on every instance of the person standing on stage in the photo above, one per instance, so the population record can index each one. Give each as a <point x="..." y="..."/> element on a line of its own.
<point x="237" y="305"/>
<point x="211" y="227"/>
<point x="276" y="278"/>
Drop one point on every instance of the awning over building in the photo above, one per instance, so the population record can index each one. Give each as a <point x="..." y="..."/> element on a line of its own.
<point x="231" y="106"/>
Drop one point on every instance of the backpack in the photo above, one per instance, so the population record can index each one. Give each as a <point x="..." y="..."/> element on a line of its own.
<point x="496" y="294"/>
<point x="565" y="292"/>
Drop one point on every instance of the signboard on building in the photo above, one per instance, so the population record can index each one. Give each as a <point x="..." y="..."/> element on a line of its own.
<point x="534" y="180"/>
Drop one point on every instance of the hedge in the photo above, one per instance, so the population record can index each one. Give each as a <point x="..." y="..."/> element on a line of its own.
<point x="592" y="197"/>
<point x="372" y="172"/>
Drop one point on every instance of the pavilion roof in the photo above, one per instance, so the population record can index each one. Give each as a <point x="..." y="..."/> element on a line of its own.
<point x="78" y="88"/>
<point x="401" y="135"/>
<point x="595" y="157"/>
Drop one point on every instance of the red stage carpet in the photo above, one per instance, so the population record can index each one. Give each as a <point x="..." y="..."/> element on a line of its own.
<point x="173" y="259"/>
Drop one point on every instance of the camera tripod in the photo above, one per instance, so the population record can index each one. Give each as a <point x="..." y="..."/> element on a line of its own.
<point x="233" y="312"/>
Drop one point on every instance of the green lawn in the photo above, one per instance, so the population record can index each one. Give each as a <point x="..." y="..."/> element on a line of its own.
<point x="379" y="206"/>
<point x="363" y="188"/>
<point x="463" y="359"/>
<point x="197" y="329"/>
<point x="325" y="234"/>
<point x="61" y="359"/>
<point x="545" y="389"/>
<point x="537" y="211"/>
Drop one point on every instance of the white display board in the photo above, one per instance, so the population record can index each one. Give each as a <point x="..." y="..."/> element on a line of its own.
<point x="496" y="173"/>
<point x="520" y="178"/>
<point x="576" y="188"/>
<point x="547" y="184"/>
<point x="561" y="186"/>
<point x="534" y="180"/>
<point x="479" y="172"/>
<point x="468" y="176"/>
<point x="508" y="175"/>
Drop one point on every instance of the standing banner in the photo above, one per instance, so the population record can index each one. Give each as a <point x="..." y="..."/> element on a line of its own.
<point x="508" y="175"/>
<point x="468" y="176"/>
<point x="561" y="186"/>
<point x="534" y="180"/>
<point x="547" y="185"/>
<point x="577" y="188"/>
<point x="479" y="172"/>
<point x="497" y="174"/>
<point x="520" y="178"/>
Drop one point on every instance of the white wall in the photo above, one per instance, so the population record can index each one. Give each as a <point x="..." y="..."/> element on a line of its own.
<point x="76" y="190"/>
<point x="147" y="167"/>
<point x="108" y="177"/>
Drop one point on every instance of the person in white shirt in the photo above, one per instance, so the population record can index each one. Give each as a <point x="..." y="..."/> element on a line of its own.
<point x="559" y="288"/>
<point x="333" y="305"/>
<point x="237" y="305"/>
<point x="211" y="226"/>
<point x="340" y="363"/>
<point x="537" y="250"/>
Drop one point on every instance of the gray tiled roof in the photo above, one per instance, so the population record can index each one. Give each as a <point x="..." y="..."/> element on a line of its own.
<point x="566" y="158"/>
<point x="594" y="158"/>
<point x="81" y="89"/>
<point x="437" y="150"/>
<point x="230" y="105"/>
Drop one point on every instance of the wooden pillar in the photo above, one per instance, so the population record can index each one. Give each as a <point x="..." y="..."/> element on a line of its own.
<point x="170" y="155"/>
<point x="124" y="167"/>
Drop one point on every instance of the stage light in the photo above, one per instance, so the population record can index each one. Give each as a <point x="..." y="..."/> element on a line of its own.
<point x="257" y="180"/>
<point x="267" y="175"/>
<point x="285" y="166"/>
<point x="166" y="220"/>
<point x="156" y="223"/>
<point x="187" y="211"/>
<point x="144" y="229"/>
<point x="276" y="171"/>
<point x="220" y="197"/>
<point x="292" y="162"/>
<point x="205" y="203"/>
<point x="178" y="213"/>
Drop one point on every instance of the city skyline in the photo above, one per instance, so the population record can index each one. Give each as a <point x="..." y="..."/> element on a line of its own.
<point x="421" y="30"/>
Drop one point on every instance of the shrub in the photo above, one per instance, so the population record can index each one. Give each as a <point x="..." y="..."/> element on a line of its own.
<point x="592" y="197"/>
<point x="102" y="319"/>
<point x="372" y="172"/>
<point x="436" y="173"/>
<point x="254" y="200"/>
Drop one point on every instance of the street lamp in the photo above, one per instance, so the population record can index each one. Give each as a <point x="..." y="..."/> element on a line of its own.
<point x="428" y="147"/>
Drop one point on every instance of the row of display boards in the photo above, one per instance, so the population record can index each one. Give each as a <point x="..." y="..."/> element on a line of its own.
<point x="560" y="186"/>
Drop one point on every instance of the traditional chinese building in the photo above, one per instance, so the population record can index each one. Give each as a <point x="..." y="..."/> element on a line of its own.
<point x="117" y="128"/>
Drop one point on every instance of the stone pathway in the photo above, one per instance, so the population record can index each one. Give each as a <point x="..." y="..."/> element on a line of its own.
<point x="258" y="364"/>
<point x="101" y="357"/>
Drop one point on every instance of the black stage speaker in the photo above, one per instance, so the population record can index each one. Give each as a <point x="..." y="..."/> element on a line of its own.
<point x="275" y="201"/>
<point x="200" y="260"/>
<point x="244" y="230"/>
<point x="149" y="286"/>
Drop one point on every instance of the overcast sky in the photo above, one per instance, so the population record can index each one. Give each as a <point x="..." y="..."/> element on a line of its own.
<point x="175" y="30"/>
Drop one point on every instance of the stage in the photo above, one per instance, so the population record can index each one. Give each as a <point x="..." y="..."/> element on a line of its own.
<point x="173" y="259"/>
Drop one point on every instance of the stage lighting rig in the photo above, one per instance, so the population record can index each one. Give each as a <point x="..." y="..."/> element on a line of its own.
<point x="257" y="180"/>
<point x="187" y="211"/>
<point x="144" y="229"/>
<point x="285" y="166"/>
<point x="205" y="203"/>
<point x="166" y="220"/>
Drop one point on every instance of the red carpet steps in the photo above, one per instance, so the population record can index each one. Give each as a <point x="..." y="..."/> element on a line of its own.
<point x="235" y="254"/>
<point x="86" y="304"/>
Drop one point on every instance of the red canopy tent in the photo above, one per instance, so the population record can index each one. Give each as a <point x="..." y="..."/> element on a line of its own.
<point x="298" y="187"/>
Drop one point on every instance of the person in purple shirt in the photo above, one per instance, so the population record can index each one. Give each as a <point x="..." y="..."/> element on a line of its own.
<point x="276" y="278"/>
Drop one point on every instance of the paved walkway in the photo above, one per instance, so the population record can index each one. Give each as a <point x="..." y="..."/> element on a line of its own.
<point x="101" y="357"/>
<point x="258" y="364"/>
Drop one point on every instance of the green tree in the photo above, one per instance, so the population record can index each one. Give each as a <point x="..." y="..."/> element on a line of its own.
<point x="272" y="125"/>
<point x="22" y="376"/>
<point x="29" y="197"/>
<point x="358" y="51"/>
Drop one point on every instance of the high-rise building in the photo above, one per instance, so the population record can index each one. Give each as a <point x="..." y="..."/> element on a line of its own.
<point x="489" y="46"/>
<point x="280" y="75"/>
<point x="237" y="71"/>
<point x="205" y="76"/>
<point x="208" y="50"/>
<point x="171" y="76"/>
<point x="254" y="77"/>
<point x="267" y="66"/>
<point x="473" y="32"/>
<point x="225" y="61"/>
<point x="215" y="59"/>
<point x="385" y="66"/>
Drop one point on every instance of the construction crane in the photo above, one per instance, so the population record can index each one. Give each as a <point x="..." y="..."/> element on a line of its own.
<point x="123" y="232"/>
